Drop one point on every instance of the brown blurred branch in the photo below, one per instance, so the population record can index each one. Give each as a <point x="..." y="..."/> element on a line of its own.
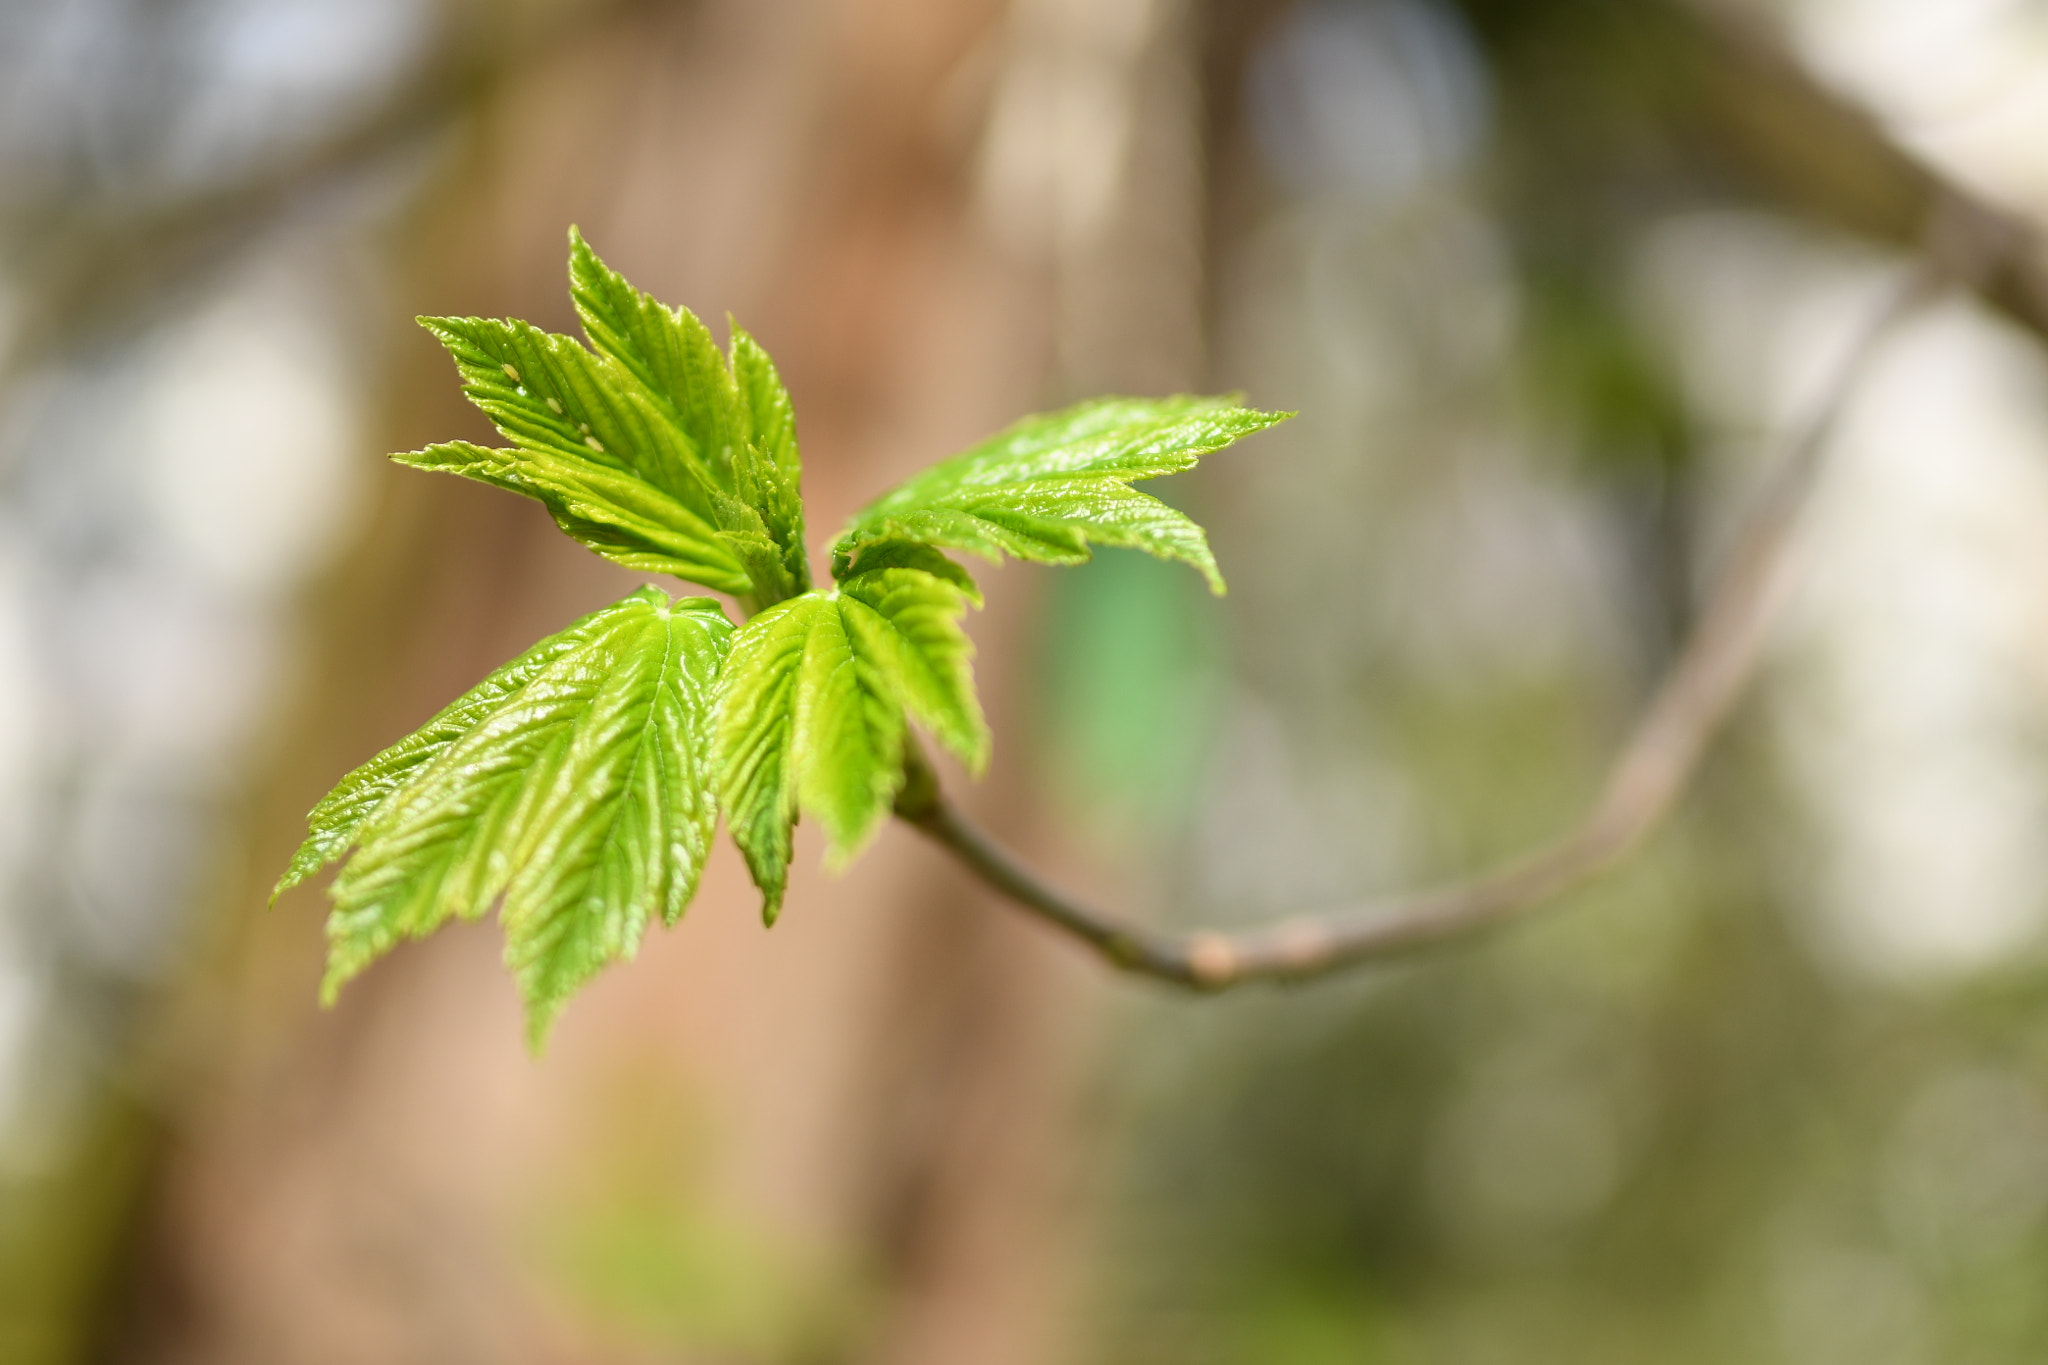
<point x="1821" y="152"/>
<point x="1643" y="784"/>
<point x="95" y="265"/>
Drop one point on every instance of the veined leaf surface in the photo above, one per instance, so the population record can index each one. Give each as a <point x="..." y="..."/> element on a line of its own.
<point x="332" y="825"/>
<point x="612" y="511"/>
<point x="651" y="449"/>
<point x="575" y="783"/>
<point x="812" y="704"/>
<point x="1050" y="486"/>
<point x="735" y="416"/>
<point x="619" y="475"/>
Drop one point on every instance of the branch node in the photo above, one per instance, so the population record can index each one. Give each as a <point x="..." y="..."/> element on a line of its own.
<point x="1212" y="960"/>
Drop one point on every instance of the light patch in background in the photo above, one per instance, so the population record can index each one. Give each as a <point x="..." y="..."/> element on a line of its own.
<point x="26" y="709"/>
<point x="1061" y="120"/>
<point x="1961" y="80"/>
<point x="1366" y="101"/>
<point x="1848" y="1305"/>
<point x="158" y="663"/>
<point x="247" y="440"/>
<point x="127" y="101"/>
<point x="53" y="66"/>
<point x="1914" y="723"/>
<point x="1283" y="826"/>
<point x="22" y="991"/>
<point x="1378" y="300"/>
<point x="1909" y="699"/>
<point x="172" y="492"/>
<point x="270" y="73"/>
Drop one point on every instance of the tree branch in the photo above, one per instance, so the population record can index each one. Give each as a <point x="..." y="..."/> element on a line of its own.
<point x="93" y="264"/>
<point x="1643" y="784"/>
<point x="1821" y="152"/>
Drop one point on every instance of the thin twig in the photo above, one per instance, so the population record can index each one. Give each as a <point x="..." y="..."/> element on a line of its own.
<point x="1641" y="787"/>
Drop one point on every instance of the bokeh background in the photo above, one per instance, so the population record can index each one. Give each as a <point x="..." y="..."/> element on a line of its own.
<point x="1542" y="279"/>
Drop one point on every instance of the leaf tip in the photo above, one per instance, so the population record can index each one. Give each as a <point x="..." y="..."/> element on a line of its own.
<point x="849" y="832"/>
<point x="973" y="756"/>
<point x="968" y="739"/>
<point x="584" y="261"/>
<point x="446" y="330"/>
<point x="540" y="1022"/>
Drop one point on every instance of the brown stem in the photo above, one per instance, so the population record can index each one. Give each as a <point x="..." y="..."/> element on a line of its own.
<point x="1641" y="787"/>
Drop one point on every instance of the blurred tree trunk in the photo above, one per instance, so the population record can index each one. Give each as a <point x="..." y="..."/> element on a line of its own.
<point x="879" y="1087"/>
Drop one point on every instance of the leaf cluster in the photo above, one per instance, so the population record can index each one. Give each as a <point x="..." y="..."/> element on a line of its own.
<point x="579" y="786"/>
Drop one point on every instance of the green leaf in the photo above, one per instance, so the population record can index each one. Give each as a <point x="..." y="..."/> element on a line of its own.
<point x="811" y="712"/>
<point x="756" y="729"/>
<point x="910" y="637"/>
<point x="618" y="472"/>
<point x="737" y="417"/>
<point x="575" y="783"/>
<point x="651" y="449"/>
<point x="1051" y="485"/>
<point x="909" y="554"/>
<point x="771" y="417"/>
<point x="766" y="468"/>
<point x="331" y="827"/>
<point x="619" y="515"/>
<point x="667" y="351"/>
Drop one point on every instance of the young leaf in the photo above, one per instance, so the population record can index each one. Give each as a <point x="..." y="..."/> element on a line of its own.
<point x="575" y="783"/>
<point x="668" y="353"/>
<point x="736" y="419"/>
<point x="619" y="474"/>
<point x="811" y="711"/>
<point x="331" y="827"/>
<point x="755" y="729"/>
<point x="1050" y="485"/>
<point x="905" y="623"/>
<point x="909" y="554"/>
<point x="651" y="449"/>
<point x="614" y="512"/>
<point x="666" y="350"/>
<point x="766" y="468"/>
<point x="771" y="417"/>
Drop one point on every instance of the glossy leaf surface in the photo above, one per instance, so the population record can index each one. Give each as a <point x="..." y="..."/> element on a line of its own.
<point x="812" y="706"/>
<point x="645" y="448"/>
<point x="575" y="783"/>
<point x="1048" y="487"/>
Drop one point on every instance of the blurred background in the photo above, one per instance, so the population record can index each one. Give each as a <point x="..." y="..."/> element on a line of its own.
<point x="1542" y="279"/>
